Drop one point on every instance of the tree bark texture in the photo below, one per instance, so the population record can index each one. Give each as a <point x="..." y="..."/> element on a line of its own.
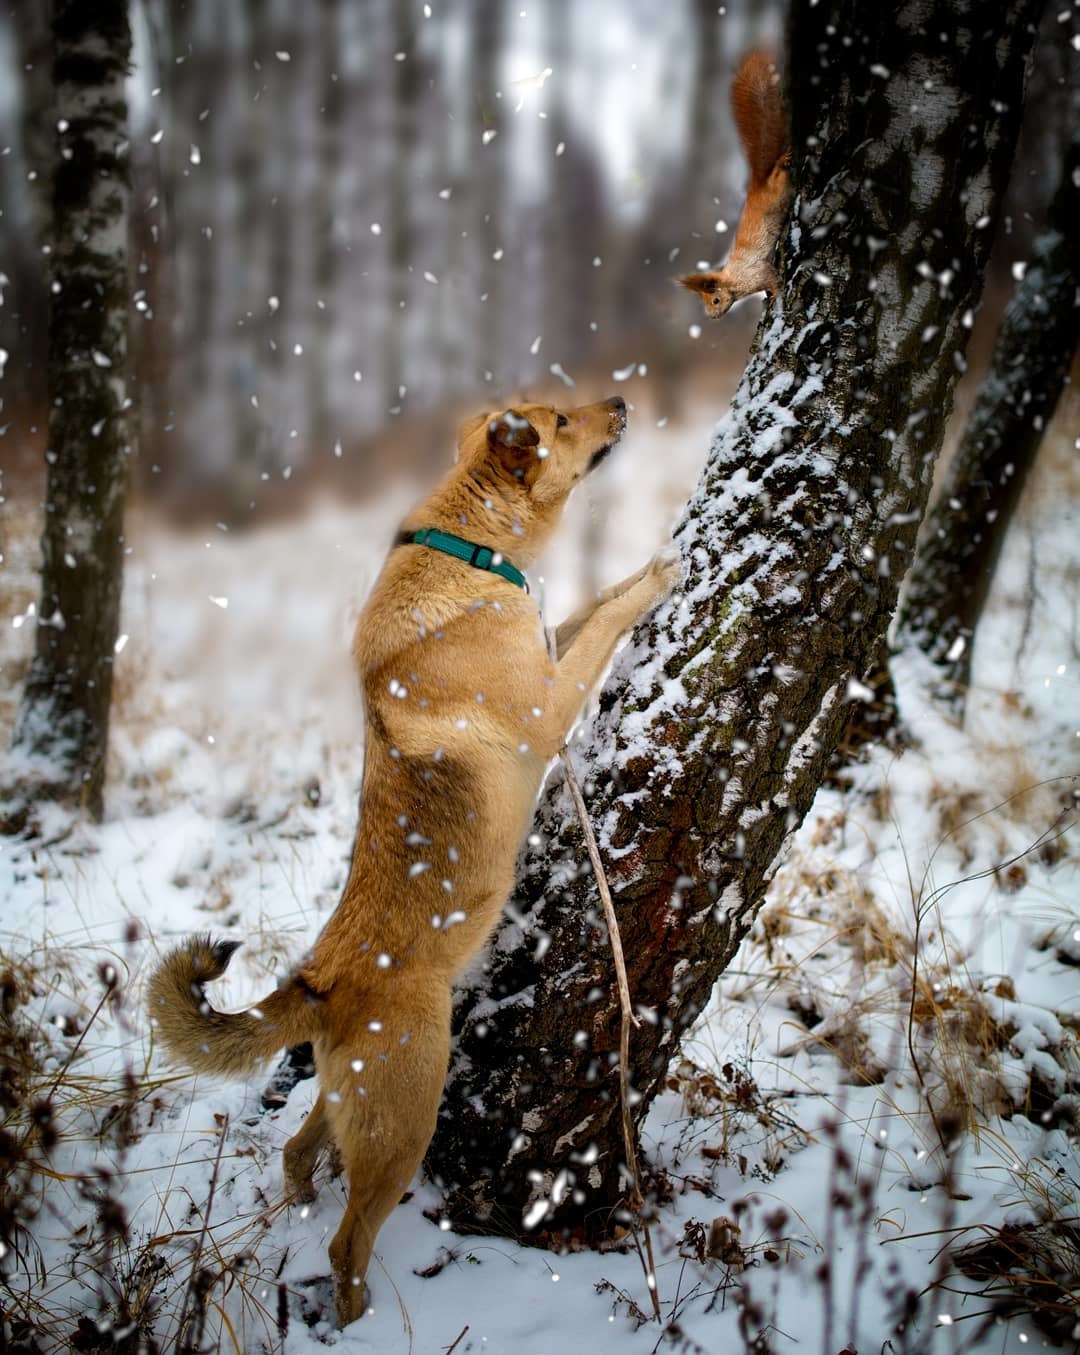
<point x="965" y="529"/>
<point x="62" y="728"/>
<point x="716" y="724"/>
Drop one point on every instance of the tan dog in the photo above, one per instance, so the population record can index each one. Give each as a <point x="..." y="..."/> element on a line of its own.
<point x="465" y="709"/>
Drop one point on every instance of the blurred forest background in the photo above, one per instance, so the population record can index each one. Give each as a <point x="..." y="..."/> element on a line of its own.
<point x="348" y="213"/>
<point x="347" y="216"/>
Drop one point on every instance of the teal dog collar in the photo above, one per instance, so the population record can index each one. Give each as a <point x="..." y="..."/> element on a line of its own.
<point x="480" y="557"/>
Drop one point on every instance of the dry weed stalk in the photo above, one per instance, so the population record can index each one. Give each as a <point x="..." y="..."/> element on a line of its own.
<point x="626" y="1020"/>
<point x="192" y="1319"/>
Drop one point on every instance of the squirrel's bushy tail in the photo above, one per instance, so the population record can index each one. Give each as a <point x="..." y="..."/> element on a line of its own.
<point x="218" y="1042"/>
<point x="760" y="116"/>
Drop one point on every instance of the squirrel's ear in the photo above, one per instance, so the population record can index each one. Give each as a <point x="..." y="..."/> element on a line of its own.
<point x="513" y="439"/>
<point x="705" y="283"/>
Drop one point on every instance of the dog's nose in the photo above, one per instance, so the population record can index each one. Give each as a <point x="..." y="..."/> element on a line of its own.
<point x="618" y="404"/>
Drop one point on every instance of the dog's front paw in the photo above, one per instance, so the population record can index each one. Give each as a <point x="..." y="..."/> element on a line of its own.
<point x="663" y="573"/>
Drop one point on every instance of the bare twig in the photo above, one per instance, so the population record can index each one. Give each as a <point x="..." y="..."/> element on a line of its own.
<point x="32" y="1124"/>
<point x="626" y="1020"/>
<point x="457" y="1340"/>
<point x="626" y="1016"/>
<point x="193" y="1310"/>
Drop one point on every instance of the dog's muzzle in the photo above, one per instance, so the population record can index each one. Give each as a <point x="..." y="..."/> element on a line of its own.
<point x="616" y="428"/>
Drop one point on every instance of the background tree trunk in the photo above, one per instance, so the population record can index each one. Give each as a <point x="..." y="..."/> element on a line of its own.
<point x="717" y="723"/>
<point x="403" y="104"/>
<point x="26" y="179"/>
<point x="492" y="223"/>
<point x="966" y="527"/>
<point x="323" y="408"/>
<point x="62" y="728"/>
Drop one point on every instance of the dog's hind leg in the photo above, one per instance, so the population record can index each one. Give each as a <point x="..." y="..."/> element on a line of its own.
<point x="382" y="1109"/>
<point x="302" y="1152"/>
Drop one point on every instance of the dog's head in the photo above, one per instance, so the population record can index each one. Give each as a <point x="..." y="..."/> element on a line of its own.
<point x="717" y="296"/>
<point x="538" y="453"/>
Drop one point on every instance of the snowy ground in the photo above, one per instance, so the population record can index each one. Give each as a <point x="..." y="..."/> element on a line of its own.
<point x="797" y="1138"/>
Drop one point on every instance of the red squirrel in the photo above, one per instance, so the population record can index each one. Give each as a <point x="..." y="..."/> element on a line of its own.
<point x="761" y="121"/>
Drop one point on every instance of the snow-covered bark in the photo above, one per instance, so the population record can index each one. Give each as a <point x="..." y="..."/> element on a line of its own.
<point x="717" y="721"/>
<point x="966" y="527"/>
<point x="62" y="727"/>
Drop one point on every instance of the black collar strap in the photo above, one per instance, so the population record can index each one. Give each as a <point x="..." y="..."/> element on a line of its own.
<point x="480" y="557"/>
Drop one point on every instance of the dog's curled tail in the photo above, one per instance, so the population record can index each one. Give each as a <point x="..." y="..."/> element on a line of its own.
<point x="218" y="1042"/>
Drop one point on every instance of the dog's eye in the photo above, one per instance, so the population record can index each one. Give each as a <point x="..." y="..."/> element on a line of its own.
<point x="561" y="421"/>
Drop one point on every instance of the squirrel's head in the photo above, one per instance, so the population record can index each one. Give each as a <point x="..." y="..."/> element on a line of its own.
<point x="717" y="295"/>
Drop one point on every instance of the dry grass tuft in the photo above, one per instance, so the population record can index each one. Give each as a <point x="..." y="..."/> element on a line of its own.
<point x="1033" y="1267"/>
<point x="189" y="1282"/>
<point x="731" y="1113"/>
<point x="44" y="1101"/>
<point x="27" y="1132"/>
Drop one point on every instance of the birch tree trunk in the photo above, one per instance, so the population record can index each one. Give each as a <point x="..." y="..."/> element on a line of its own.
<point x="404" y="95"/>
<point x="492" y="175"/>
<point x="25" y="194"/>
<point x="62" y="727"/>
<point x="965" y="530"/>
<point x="718" y="719"/>
<point x="322" y="399"/>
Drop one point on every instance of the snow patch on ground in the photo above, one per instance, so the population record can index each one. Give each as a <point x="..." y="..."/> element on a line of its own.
<point x="796" y="1126"/>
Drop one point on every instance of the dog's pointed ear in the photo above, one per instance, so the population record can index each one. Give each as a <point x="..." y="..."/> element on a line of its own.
<point x="467" y="430"/>
<point x="705" y="283"/>
<point x="513" y="439"/>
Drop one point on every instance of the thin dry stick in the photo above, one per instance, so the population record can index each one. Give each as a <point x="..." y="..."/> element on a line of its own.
<point x="626" y="1012"/>
<point x="628" y="1017"/>
<point x="33" y="1124"/>
<point x="626" y="1020"/>
<point x="457" y="1340"/>
<point x="198" y="1317"/>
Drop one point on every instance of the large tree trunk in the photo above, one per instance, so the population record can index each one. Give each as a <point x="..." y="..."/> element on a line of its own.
<point x="718" y="720"/>
<point x="966" y="528"/>
<point x="62" y="728"/>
